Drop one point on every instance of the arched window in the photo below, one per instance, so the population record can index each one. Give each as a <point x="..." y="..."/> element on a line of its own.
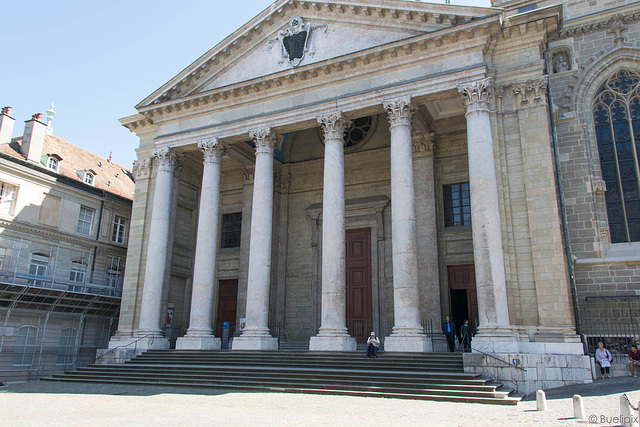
<point x="616" y="113"/>
<point x="25" y="346"/>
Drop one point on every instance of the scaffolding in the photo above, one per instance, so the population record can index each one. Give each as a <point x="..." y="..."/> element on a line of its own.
<point x="47" y="330"/>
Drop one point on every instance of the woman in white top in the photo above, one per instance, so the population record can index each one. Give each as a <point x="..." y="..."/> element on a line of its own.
<point x="604" y="358"/>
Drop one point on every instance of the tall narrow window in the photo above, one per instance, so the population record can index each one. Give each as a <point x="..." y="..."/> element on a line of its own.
<point x="85" y="219"/>
<point x="7" y="198"/>
<point x="616" y="113"/>
<point x="88" y="178"/>
<point x="119" y="229"/>
<point x="38" y="265"/>
<point x="78" y="270"/>
<point x="231" y="229"/>
<point x="25" y="346"/>
<point x="53" y="163"/>
<point x="457" y="205"/>
<point x="67" y="346"/>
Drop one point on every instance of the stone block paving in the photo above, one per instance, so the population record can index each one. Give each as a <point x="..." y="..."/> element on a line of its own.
<point x="39" y="403"/>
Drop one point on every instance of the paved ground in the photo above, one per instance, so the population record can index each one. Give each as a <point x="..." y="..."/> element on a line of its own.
<point x="73" y="404"/>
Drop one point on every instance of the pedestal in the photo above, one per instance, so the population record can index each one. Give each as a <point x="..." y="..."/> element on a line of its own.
<point x="245" y="342"/>
<point x="332" y="343"/>
<point x="198" y="343"/>
<point x="408" y="344"/>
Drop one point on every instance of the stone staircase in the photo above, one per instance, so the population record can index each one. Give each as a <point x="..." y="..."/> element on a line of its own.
<point x="428" y="376"/>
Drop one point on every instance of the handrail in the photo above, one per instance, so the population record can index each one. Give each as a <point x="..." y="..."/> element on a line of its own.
<point x="500" y="360"/>
<point x="127" y="345"/>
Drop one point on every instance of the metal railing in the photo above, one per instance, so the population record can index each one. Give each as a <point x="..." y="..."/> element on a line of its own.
<point x="20" y="271"/>
<point x="153" y="336"/>
<point x="616" y="330"/>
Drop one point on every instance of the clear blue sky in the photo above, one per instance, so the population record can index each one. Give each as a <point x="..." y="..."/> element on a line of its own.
<point x="96" y="60"/>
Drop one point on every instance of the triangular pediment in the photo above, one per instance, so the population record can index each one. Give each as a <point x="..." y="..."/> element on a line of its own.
<point x="292" y="34"/>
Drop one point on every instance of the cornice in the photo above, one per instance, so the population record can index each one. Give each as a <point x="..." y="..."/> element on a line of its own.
<point x="585" y="25"/>
<point x="403" y="10"/>
<point x="480" y="32"/>
<point x="59" y="236"/>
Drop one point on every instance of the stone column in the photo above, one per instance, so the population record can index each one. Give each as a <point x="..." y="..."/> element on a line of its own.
<point x="494" y="331"/>
<point x="407" y="333"/>
<point x="256" y="333"/>
<point x="200" y="335"/>
<point x="427" y="231"/>
<point x="245" y="240"/>
<point x="151" y="310"/>
<point x="333" y="334"/>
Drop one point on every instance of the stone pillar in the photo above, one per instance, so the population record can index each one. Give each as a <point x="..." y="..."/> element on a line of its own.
<point x="407" y="333"/>
<point x="151" y="310"/>
<point x="200" y="335"/>
<point x="333" y="334"/>
<point x="494" y="331"/>
<point x="427" y="230"/>
<point x="245" y="240"/>
<point x="256" y="333"/>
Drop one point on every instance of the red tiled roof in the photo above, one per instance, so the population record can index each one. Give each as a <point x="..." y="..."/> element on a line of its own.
<point x="108" y="176"/>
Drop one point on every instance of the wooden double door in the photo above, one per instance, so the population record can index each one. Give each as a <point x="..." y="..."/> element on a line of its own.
<point x="463" y="295"/>
<point x="358" y="284"/>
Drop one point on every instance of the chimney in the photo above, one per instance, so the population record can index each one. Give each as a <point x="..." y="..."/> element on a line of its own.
<point x="6" y="125"/>
<point x="33" y="138"/>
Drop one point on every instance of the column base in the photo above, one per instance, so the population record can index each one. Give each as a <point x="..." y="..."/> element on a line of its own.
<point x="408" y="343"/>
<point x="254" y="342"/>
<point x="495" y="339"/>
<point x="332" y="343"/>
<point x="207" y="342"/>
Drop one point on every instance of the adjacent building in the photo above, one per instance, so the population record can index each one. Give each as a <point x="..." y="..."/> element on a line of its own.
<point x="65" y="215"/>
<point x="337" y="167"/>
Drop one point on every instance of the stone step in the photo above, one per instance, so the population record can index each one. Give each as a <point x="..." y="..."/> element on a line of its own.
<point x="371" y="381"/>
<point x="412" y="376"/>
<point x="511" y="399"/>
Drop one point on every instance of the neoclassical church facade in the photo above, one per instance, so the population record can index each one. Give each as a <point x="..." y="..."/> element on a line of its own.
<point x="346" y="166"/>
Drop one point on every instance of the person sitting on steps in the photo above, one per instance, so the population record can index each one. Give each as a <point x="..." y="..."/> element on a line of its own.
<point x="373" y="343"/>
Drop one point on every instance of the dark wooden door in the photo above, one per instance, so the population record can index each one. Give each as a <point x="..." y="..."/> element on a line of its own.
<point x="227" y="303"/>
<point x="464" y="296"/>
<point x="358" y="292"/>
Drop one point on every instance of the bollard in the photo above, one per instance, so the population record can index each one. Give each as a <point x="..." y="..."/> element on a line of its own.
<point x="578" y="408"/>
<point x="629" y="416"/>
<point x="541" y="400"/>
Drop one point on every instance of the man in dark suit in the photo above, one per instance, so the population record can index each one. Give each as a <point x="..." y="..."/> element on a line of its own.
<point x="449" y="332"/>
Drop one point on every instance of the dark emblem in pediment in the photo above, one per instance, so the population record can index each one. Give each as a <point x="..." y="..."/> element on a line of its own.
<point x="295" y="40"/>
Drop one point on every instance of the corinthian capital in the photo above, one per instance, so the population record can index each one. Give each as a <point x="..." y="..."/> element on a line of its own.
<point x="424" y="145"/>
<point x="142" y="168"/>
<point x="166" y="159"/>
<point x="212" y="149"/>
<point x="334" y="125"/>
<point x="476" y="95"/>
<point x="399" y="111"/>
<point x="265" y="139"/>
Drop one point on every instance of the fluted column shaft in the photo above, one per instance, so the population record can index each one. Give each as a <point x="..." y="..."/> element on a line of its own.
<point x="151" y="308"/>
<point x="493" y="310"/>
<point x="207" y="241"/>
